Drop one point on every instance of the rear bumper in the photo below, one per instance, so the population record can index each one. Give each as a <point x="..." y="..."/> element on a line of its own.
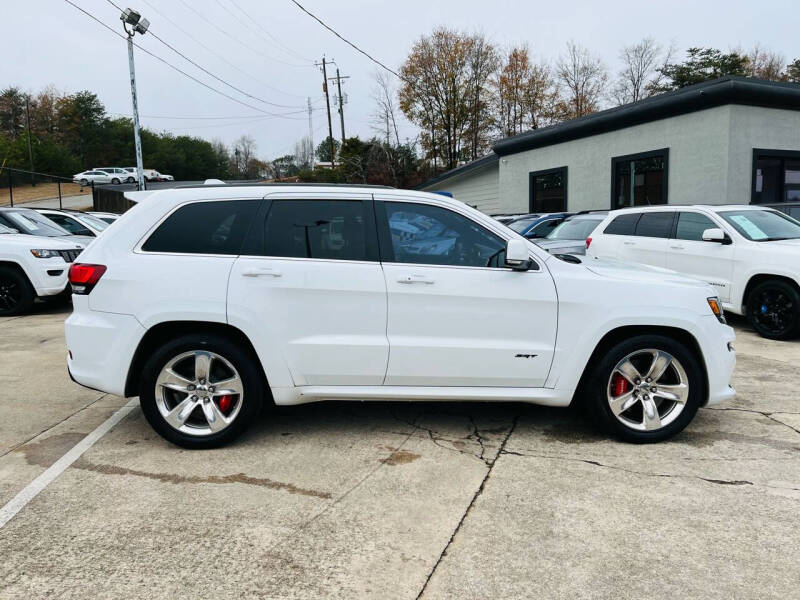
<point x="100" y="347"/>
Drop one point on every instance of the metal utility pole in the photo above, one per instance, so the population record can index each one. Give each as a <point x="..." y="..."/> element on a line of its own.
<point x="30" y="147"/>
<point x="311" y="132"/>
<point x="138" y="25"/>
<point x="328" y="104"/>
<point x="341" y="99"/>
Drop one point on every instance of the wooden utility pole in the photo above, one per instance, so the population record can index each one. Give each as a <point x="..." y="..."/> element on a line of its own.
<point x="328" y="104"/>
<point x="338" y="80"/>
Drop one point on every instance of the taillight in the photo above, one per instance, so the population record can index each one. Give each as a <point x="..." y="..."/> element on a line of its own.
<point x="83" y="277"/>
<point x="588" y="242"/>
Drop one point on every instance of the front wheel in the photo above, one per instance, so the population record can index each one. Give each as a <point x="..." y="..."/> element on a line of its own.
<point x="84" y="182"/>
<point x="773" y="310"/>
<point x="201" y="391"/>
<point x="115" y="181"/>
<point x="16" y="294"/>
<point x="130" y="180"/>
<point x="646" y="389"/>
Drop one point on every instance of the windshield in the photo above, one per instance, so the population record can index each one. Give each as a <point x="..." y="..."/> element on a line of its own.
<point x="32" y="223"/>
<point x="93" y="221"/>
<point x="763" y="225"/>
<point x="575" y="229"/>
<point x="521" y="225"/>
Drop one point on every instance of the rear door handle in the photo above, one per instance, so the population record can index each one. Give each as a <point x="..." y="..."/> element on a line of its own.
<point x="629" y="243"/>
<point x="261" y="272"/>
<point x="414" y="279"/>
<point x="677" y="248"/>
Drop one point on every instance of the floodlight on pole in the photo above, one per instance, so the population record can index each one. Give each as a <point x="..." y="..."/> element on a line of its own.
<point x="133" y="23"/>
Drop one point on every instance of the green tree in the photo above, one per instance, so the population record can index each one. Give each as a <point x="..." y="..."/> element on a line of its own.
<point x="12" y="112"/>
<point x="793" y="71"/>
<point x="703" y="64"/>
<point x="323" y="152"/>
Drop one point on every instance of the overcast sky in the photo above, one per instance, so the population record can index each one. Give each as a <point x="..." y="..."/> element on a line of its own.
<point x="51" y="42"/>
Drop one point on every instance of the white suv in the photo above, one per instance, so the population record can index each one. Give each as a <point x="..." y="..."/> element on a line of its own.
<point x="210" y="300"/>
<point x="32" y="266"/>
<point x="751" y="255"/>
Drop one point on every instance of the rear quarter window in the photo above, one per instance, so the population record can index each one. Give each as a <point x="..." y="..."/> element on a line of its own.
<point x="655" y="224"/>
<point x="217" y="227"/>
<point x="623" y="225"/>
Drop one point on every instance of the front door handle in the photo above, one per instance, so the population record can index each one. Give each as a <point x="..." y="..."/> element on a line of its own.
<point x="629" y="243"/>
<point x="261" y="272"/>
<point x="414" y="279"/>
<point x="677" y="248"/>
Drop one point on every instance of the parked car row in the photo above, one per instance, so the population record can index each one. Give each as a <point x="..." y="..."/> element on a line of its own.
<point x="116" y="175"/>
<point x="36" y="248"/>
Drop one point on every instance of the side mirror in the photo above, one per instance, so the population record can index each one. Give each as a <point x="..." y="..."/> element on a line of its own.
<point x="716" y="234"/>
<point x="517" y="255"/>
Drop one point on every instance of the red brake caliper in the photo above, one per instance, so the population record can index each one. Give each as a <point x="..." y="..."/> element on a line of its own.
<point x="619" y="385"/>
<point x="225" y="403"/>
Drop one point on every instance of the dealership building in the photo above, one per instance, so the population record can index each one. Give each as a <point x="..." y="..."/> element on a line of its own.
<point x="732" y="140"/>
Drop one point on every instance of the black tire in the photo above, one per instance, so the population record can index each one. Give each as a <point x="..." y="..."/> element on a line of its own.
<point x="773" y="310"/>
<point x="595" y="389"/>
<point x="16" y="293"/>
<point x="130" y="180"/>
<point x="84" y="182"/>
<point x="115" y="181"/>
<point x="244" y="362"/>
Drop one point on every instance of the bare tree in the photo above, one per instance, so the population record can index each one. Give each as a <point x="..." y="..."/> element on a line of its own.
<point x="584" y="76"/>
<point x="641" y="75"/>
<point x="304" y="152"/>
<point x="385" y="116"/>
<point x="482" y="62"/>
<point x="244" y="150"/>
<point x="765" y="64"/>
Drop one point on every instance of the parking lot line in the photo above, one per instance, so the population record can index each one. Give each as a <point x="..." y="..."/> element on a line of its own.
<point x="30" y="491"/>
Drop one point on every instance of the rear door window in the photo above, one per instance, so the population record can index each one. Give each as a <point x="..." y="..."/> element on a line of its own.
<point x="322" y="229"/>
<point x="655" y="224"/>
<point x="217" y="227"/>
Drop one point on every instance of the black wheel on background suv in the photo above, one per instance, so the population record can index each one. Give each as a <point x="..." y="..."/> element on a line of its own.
<point x="84" y="182"/>
<point x="115" y="181"/>
<point x="130" y="180"/>
<point x="773" y="310"/>
<point x="646" y="388"/>
<point x="16" y="293"/>
<point x="201" y="391"/>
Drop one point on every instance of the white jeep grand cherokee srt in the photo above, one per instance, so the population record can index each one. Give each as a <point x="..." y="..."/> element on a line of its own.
<point x="750" y="254"/>
<point x="210" y="301"/>
<point x="32" y="266"/>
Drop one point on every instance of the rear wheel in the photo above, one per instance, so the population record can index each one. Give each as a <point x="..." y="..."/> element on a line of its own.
<point x="773" y="310"/>
<point x="201" y="391"/>
<point x="16" y="293"/>
<point x="130" y="180"/>
<point x="646" y="389"/>
<point x="115" y="180"/>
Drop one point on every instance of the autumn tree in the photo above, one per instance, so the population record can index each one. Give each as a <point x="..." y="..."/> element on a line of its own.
<point x="445" y="92"/>
<point x="641" y="75"/>
<point x="525" y="95"/>
<point x="765" y="64"/>
<point x="584" y="78"/>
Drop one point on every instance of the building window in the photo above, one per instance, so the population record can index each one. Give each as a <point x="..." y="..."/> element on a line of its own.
<point x="776" y="176"/>
<point x="639" y="179"/>
<point x="548" y="190"/>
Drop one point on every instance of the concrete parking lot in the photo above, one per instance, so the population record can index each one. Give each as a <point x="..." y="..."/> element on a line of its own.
<point x="398" y="500"/>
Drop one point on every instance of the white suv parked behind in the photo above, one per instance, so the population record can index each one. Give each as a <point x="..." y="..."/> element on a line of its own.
<point x="209" y="301"/>
<point x="32" y="266"/>
<point x="751" y="255"/>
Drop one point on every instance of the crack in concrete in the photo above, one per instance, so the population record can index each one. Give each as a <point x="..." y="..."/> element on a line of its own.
<point x="734" y="482"/>
<point x="437" y="440"/>
<point x="763" y="414"/>
<point x="475" y="497"/>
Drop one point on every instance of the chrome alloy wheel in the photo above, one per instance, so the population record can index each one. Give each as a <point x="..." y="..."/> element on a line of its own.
<point x="199" y="393"/>
<point x="647" y="390"/>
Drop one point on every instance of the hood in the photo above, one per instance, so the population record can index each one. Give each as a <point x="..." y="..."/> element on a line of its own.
<point x="20" y="240"/>
<point x="630" y="271"/>
<point x="561" y="246"/>
<point x="76" y="240"/>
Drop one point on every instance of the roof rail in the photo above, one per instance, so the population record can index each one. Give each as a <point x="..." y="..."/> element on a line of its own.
<point x="282" y="184"/>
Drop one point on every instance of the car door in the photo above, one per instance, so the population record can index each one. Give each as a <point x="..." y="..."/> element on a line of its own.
<point x="309" y="289"/>
<point x="687" y="253"/>
<point x="457" y="316"/>
<point x="648" y="245"/>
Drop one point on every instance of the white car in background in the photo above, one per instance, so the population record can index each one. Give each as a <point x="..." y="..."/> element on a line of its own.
<point x="76" y="222"/>
<point x="31" y="267"/>
<point x="150" y="174"/>
<point x="214" y="300"/>
<point x="750" y="254"/>
<point x="105" y="216"/>
<point x="118" y="173"/>
<point x="93" y="176"/>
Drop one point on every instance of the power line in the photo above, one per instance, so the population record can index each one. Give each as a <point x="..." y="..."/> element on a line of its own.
<point x="348" y="42"/>
<point x="275" y="41"/>
<point x="170" y="65"/>
<point x="217" y="54"/>
<point x="205" y="118"/>
<point x="234" y="38"/>
<point x="206" y="71"/>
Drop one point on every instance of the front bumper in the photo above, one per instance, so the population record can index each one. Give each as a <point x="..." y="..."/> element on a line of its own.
<point x="48" y="275"/>
<point x="716" y="342"/>
<point x="100" y="347"/>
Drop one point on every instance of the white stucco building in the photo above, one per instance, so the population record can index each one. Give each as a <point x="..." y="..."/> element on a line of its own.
<point x="730" y="140"/>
